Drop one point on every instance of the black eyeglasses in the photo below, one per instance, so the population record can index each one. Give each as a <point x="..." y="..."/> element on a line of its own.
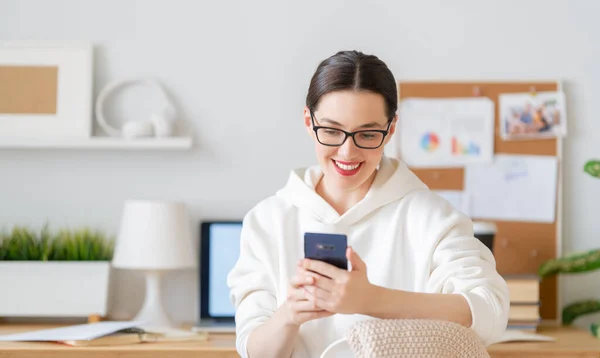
<point x="334" y="137"/>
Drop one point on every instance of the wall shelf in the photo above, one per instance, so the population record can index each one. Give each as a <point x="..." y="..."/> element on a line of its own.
<point x="99" y="143"/>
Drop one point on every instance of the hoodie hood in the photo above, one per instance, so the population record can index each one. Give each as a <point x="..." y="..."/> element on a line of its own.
<point x="393" y="181"/>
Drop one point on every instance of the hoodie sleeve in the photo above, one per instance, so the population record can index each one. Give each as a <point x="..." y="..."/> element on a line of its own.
<point x="251" y="284"/>
<point x="461" y="264"/>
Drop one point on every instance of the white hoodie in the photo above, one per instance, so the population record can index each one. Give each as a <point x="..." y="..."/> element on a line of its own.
<point x="410" y="239"/>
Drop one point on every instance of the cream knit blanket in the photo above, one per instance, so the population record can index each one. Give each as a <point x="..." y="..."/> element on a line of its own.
<point x="413" y="338"/>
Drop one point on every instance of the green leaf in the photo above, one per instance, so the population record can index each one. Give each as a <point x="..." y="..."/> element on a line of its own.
<point x="577" y="309"/>
<point x="21" y="244"/>
<point x="595" y="328"/>
<point x="592" y="167"/>
<point x="576" y="263"/>
<point x="3" y="246"/>
<point x="71" y="247"/>
<point x="45" y="243"/>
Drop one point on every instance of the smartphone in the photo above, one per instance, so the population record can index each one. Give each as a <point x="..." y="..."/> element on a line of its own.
<point x="330" y="248"/>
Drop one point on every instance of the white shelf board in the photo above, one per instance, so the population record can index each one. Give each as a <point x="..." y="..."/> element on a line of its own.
<point x="173" y="143"/>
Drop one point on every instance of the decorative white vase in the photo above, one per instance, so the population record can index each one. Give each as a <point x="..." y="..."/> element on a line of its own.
<point x="54" y="288"/>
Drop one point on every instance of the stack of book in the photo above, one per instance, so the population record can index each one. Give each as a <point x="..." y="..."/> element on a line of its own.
<point x="524" y="291"/>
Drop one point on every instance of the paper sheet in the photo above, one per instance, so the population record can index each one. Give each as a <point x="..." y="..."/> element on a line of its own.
<point x="511" y="335"/>
<point x="446" y="132"/>
<point x="458" y="199"/>
<point x="513" y="187"/>
<point x="72" y="333"/>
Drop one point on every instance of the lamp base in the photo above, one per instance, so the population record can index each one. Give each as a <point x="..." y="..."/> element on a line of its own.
<point x="152" y="313"/>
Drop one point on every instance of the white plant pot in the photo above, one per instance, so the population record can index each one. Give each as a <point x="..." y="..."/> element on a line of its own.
<point x="53" y="288"/>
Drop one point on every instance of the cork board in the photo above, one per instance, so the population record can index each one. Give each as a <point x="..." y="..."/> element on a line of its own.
<point x="519" y="247"/>
<point x="28" y="89"/>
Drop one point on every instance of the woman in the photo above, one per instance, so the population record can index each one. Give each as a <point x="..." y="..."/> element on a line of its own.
<point x="411" y="254"/>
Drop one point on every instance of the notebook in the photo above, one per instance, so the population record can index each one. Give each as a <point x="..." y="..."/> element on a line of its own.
<point x="105" y="333"/>
<point x="122" y="337"/>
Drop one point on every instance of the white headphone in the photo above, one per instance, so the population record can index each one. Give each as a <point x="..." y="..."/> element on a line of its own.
<point x="160" y="124"/>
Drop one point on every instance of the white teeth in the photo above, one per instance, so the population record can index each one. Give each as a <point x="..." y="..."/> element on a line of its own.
<point x="346" y="167"/>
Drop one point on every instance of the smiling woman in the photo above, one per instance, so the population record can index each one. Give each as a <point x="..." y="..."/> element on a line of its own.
<point x="350" y="92"/>
<point x="410" y="253"/>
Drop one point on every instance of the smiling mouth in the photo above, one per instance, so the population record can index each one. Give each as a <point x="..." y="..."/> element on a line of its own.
<point x="347" y="168"/>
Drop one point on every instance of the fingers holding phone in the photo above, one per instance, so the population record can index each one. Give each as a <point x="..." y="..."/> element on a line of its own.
<point x="340" y="291"/>
<point x="298" y="308"/>
<point x="328" y="250"/>
<point x="301" y="280"/>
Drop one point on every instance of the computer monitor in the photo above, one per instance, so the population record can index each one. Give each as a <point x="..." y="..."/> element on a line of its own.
<point x="219" y="251"/>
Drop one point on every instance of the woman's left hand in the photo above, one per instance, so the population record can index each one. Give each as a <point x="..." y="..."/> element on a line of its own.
<point x="337" y="290"/>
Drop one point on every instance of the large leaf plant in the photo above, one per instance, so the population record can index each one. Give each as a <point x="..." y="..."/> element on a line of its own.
<point x="577" y="263"/>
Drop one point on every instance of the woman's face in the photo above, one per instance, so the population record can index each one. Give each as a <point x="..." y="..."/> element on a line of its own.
<point x="349" y="167"/>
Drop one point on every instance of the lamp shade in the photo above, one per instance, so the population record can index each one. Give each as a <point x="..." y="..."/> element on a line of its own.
<point x="154" y="235"/>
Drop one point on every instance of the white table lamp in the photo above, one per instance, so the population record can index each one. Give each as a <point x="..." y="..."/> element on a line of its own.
<point x="154" y="237"/>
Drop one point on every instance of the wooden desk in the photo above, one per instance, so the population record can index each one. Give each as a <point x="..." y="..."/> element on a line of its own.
<point x="217" y="346"/>
<point x="570" y="342"/>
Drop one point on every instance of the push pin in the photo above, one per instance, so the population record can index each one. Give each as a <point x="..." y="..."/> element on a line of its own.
<point x="532" y="91"/>
<point x="534" y="253"/>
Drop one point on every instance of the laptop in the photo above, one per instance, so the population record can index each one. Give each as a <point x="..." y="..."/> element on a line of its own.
<point x="219" y="251"/>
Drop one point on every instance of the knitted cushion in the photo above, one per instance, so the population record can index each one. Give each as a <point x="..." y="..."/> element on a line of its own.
<point x="413" y="338"/>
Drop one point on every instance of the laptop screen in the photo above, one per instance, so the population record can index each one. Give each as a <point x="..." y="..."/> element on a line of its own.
<point x="223" y="254"/>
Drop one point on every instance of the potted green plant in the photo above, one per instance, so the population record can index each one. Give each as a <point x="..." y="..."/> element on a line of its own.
<point x="577" y="263"/>
<point x="54" y="274"/>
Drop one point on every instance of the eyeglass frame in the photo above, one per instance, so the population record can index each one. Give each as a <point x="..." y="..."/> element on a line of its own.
<point x="349" y="134"/>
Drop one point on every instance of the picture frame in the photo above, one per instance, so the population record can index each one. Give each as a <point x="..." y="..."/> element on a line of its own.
<point x="527" y="116"/>
<point x="46" y="90"/>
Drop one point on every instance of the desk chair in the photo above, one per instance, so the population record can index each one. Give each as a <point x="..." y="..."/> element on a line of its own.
<point x="407" y="338"/>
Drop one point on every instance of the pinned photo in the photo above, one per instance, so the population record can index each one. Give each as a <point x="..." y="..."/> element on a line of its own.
<point x="530" y="116"/>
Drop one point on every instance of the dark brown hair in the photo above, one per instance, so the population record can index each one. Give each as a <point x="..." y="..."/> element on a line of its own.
<point x="353" y="70"/>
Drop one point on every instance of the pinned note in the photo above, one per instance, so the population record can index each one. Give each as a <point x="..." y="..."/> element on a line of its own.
<point x="513" y="187"/>
<point x="448" y="132"/>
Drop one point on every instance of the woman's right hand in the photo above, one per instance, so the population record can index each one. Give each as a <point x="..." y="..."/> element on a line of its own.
<point x="298" y="308"/>
<point x="277" y="336"/>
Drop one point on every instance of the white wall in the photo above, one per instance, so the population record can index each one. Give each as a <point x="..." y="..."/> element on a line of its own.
<point x="240" y="68"/>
